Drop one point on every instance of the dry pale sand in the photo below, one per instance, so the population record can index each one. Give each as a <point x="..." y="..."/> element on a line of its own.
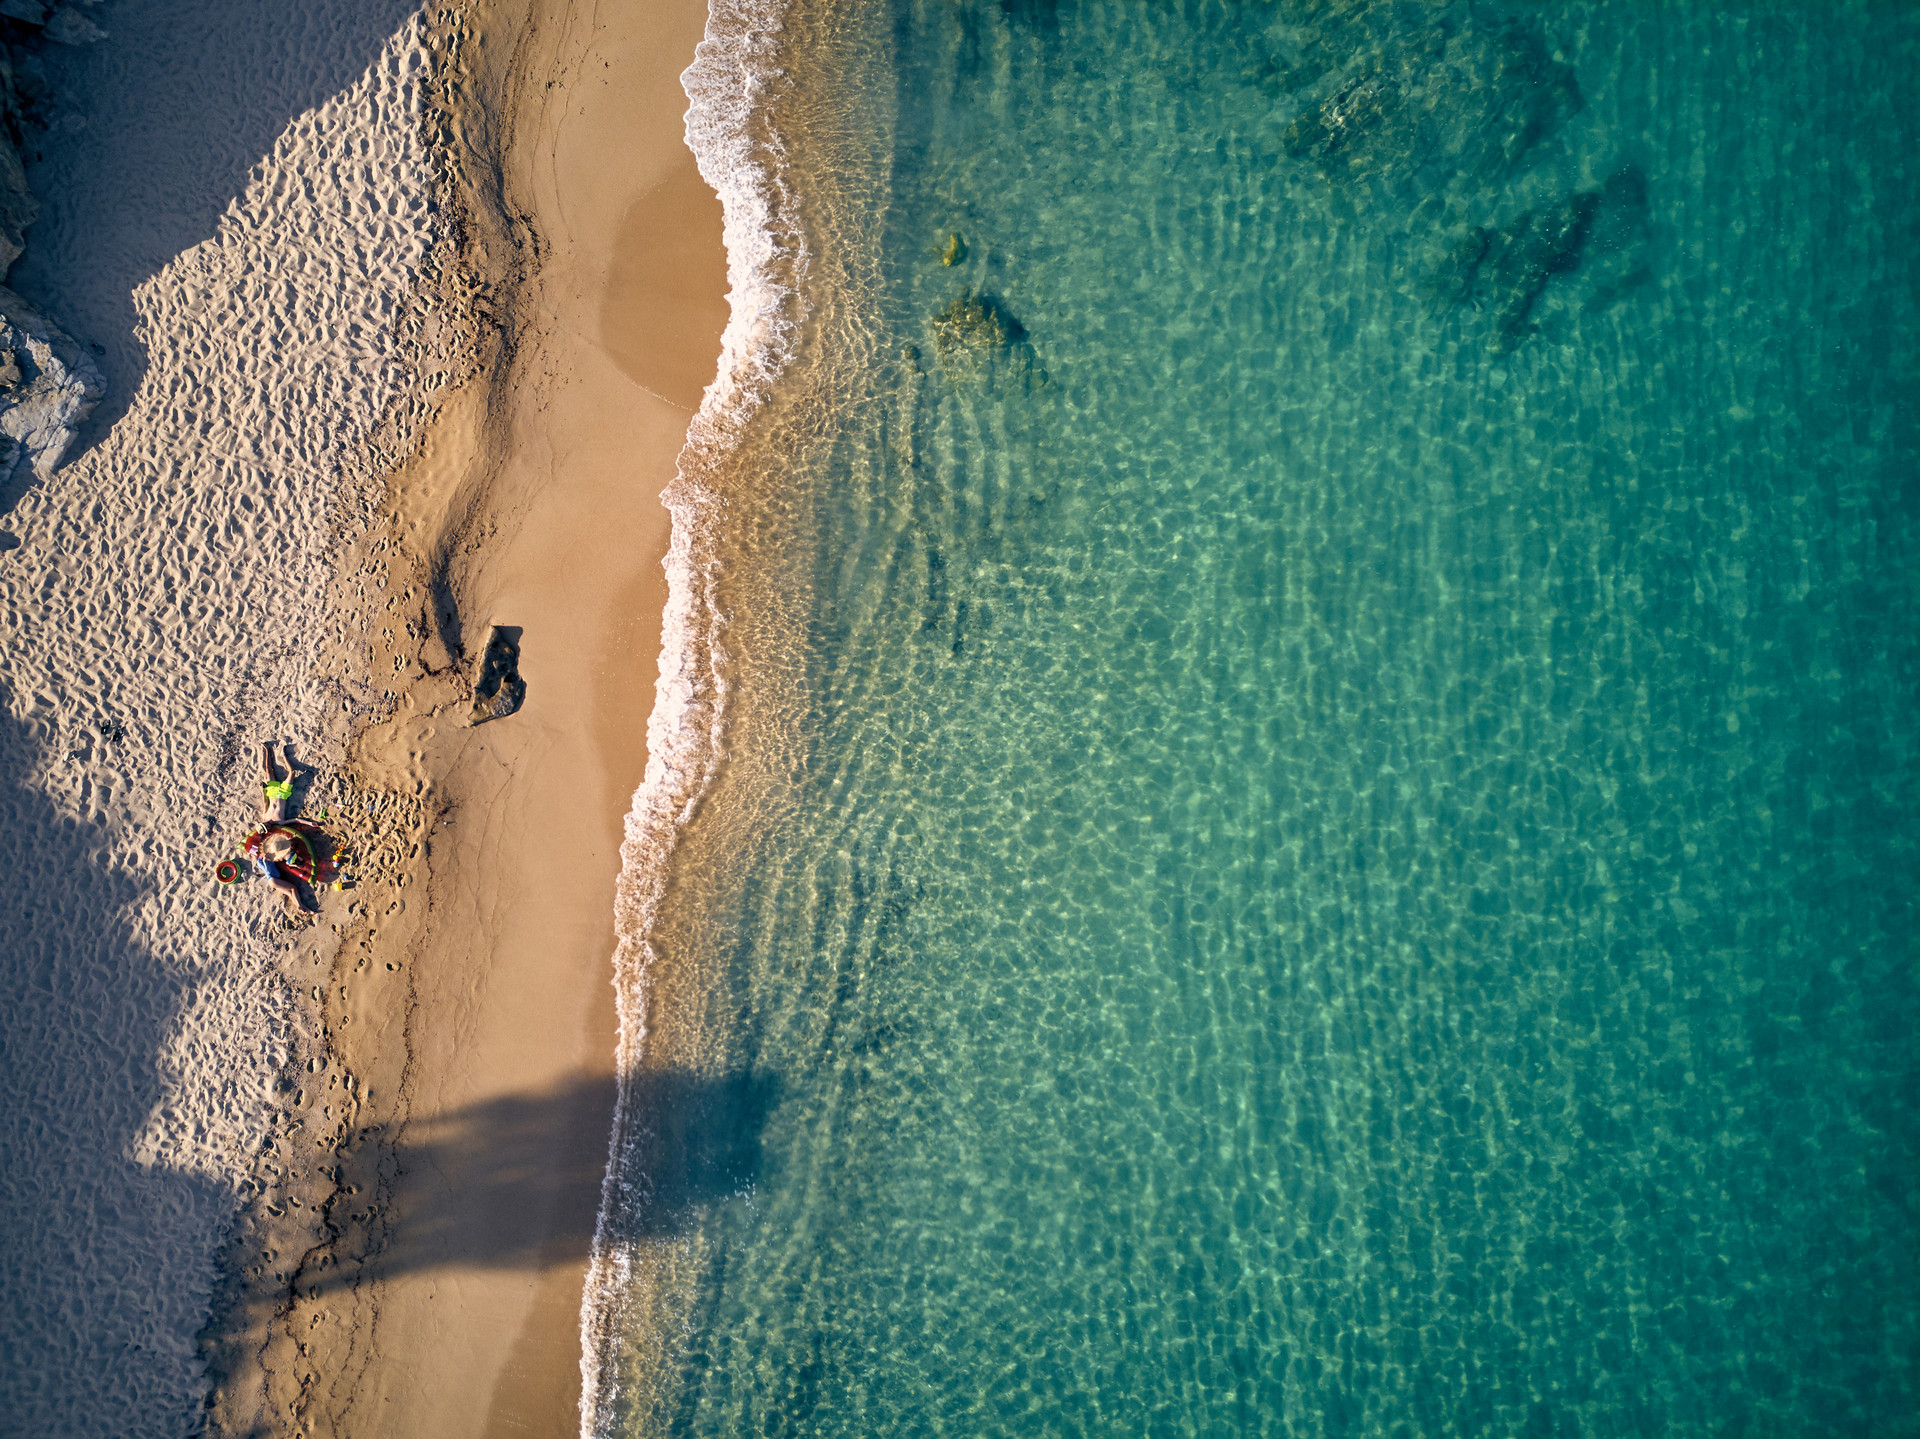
<point x="466" y="1080"/>
<point x="235" y="212"/>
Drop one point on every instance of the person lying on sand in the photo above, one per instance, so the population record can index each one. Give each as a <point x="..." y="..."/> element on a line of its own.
<point x="275" y="850"/>
<point x="278" y="792"/>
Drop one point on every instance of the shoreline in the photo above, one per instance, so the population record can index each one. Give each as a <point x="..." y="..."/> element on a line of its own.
<point x="468" y="1016"/>
<point x="1122" y="893"/>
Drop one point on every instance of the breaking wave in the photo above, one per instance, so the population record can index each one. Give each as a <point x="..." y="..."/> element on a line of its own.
<point x="730" y="131"/>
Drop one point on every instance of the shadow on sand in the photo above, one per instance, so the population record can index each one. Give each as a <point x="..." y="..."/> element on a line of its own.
<point x="107" y="1263"/>
<point x="516" y="1182"/>
<point x="155" y="131"/>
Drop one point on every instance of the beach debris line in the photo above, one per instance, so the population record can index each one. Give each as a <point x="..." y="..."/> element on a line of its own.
<point x="498" y="690"/>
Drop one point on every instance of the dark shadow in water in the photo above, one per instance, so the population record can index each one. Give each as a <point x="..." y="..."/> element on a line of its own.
<point x="185" y="102"/>
<point x="105" y="1260"/>
<point x="516" y="1182"/>
<point x="697" y="1140"/>
<point x="1042" y="15"/>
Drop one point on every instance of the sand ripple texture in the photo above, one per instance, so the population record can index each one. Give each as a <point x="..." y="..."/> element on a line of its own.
<point x="159" y="607"/>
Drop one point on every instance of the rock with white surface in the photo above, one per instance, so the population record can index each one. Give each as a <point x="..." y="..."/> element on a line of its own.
<point x="48" y="387"/>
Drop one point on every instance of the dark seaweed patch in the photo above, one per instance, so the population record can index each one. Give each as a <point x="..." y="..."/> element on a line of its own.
<point x="1598" y="233"/>
<point x="1451" y="96"/>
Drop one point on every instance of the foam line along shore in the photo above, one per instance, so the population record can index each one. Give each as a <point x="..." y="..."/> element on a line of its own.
<point x="789" y="115"/>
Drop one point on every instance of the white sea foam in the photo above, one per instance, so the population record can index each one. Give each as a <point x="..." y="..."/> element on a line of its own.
<point x="741" y="157"/>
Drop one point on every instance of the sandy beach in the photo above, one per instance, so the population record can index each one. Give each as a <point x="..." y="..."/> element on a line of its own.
<point x="468" y="1007"/>
<point x="1015" y="718"/>
<point x="402" y="316"/>
<point x="232" y="215"/>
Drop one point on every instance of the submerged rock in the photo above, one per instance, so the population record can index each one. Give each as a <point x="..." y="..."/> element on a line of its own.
<point x="1616" y="260"/>
<point x="1599" y="234"/>
<point x="1358" y="128"/>
<point x="1451" y="94"/>
<point x="1437" y="109"/>
<point x="48" y="387"/>
<point x="1457" y="273"/>
<point x="971" y="328"/>
<point x="1529" y="253"/>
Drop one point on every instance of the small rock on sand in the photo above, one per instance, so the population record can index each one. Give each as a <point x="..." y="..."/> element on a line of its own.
<point x="499" y="690"/>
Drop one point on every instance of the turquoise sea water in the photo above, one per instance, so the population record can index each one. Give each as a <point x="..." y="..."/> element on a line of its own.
<point x="1319" y="821"/>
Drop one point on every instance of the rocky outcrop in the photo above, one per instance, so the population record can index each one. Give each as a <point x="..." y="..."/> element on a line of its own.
<point x="972" y="327"/>
<point x="48" y="383"/>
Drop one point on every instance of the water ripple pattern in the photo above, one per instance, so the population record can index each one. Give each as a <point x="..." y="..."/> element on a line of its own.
<point x="1337" y="856"/>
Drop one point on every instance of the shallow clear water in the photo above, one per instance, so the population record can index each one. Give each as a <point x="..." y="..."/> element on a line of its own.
<point x="1308" y="847"/>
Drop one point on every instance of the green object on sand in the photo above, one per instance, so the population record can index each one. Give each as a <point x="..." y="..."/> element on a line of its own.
<point x="955" y="250"/>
